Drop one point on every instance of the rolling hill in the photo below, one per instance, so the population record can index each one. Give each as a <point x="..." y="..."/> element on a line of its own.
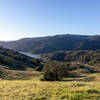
<point x="54" y="43"/>
<point x="80" y="61"/>
<point x="13" y="60"/>
<point x="78" y="56"/>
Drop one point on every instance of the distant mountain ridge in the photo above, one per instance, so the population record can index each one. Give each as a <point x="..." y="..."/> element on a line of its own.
<point x="54" y="43"/>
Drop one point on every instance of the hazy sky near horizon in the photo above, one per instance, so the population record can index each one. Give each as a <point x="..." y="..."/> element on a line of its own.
<point x="34" y="18"/>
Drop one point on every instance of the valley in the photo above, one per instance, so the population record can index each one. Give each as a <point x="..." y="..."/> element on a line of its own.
<point x="49" y="49"/>
<point x="31" y="55"/>
<point x="50" y="72"/>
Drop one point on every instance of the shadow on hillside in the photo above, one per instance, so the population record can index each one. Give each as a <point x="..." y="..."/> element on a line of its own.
<point x="80" y="78"/>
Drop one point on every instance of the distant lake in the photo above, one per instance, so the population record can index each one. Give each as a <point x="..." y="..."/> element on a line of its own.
<point x="31" y="55"/>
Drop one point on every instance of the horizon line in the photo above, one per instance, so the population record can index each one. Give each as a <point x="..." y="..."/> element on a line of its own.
<point x="30" y="37"/>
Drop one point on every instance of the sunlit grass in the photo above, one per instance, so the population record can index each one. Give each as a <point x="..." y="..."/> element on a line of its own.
<point x="37" y="90"/>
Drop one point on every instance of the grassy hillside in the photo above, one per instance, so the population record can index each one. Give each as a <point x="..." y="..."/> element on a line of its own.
<point x="26" y="85"/>
<point x="6" y="74"/>
<point x="18" y="80"/>
<point x="69" y="89"/>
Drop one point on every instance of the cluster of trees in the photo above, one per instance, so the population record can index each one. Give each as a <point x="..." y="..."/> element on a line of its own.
<point x="57" y="70"/>
<point x="54" y="71"/>
<point x="80" y="56"/>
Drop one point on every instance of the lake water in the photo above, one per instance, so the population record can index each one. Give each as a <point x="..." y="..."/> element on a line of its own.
<point x="31" y="55"/>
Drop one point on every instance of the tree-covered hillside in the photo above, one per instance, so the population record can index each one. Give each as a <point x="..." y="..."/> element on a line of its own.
<point x="88" y="57"/>
<point x="54" y="43"/>
<point x="14" y="60"/>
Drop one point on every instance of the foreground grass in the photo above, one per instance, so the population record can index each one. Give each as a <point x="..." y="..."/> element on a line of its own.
<point x="37" y="90"/>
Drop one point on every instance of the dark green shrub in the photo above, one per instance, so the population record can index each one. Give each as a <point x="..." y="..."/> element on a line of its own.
<point x="54" y="71"/>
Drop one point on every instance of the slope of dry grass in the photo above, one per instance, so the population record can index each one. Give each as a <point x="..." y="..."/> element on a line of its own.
<point x="64" y="90"/>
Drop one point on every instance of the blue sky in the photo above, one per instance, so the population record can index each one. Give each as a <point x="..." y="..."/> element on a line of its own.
<point x="34" y="18"/>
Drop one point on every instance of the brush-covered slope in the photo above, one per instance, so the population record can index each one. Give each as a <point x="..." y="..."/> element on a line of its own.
<point x="90" y="44"/>
<point x="78" y="62"/>
<point x="80" y="56"/>
<point x="54" y="43"/>
<point x="14" y="60"/>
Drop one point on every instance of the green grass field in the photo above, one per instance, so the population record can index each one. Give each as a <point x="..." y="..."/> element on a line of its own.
<point x="69" y="89"/>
